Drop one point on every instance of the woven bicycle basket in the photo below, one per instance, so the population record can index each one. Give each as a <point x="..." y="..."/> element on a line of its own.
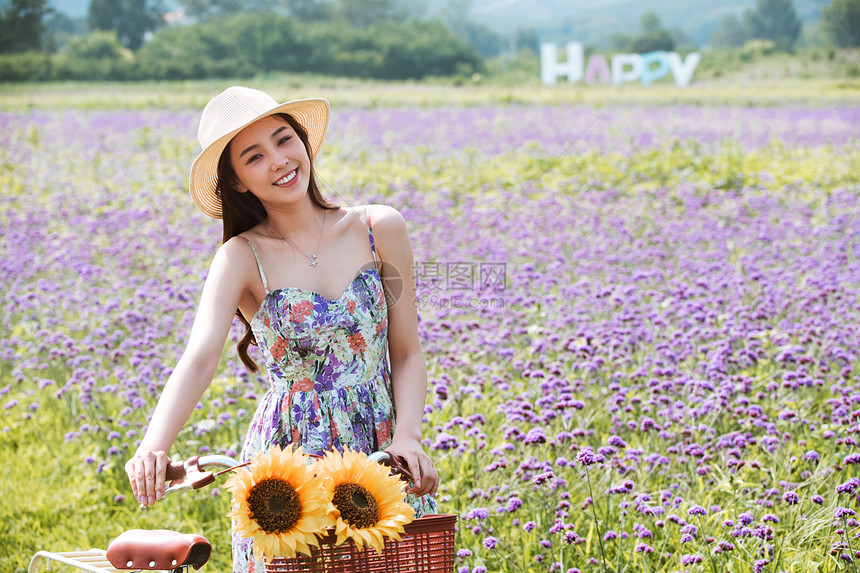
<point x="427" y="546"/>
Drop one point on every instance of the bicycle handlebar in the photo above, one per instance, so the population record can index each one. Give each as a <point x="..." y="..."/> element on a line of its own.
<point x="178" y="469"/>
<point x="195" y="472"/>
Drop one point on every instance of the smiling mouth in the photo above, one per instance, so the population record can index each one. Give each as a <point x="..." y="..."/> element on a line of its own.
<point x="287" y="178"/>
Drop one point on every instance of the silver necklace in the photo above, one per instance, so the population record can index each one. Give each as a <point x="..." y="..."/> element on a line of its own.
<point x="313" y="257"/>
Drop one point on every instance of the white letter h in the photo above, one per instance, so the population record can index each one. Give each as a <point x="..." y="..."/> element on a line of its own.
<point x="550" y="67"/>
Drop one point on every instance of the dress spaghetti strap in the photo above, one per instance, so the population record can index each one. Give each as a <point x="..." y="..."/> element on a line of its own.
<point x="370" y="235"/>
<point x="259" y="264"/>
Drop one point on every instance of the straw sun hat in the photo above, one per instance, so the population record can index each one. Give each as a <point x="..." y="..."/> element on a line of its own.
<point x="230" y="112"/>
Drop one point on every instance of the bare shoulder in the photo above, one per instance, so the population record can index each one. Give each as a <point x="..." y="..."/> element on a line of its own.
<point x="235" y="246"/>
<point x="385" y="219"/>
<point x="390" y="232"/>
<point x="236" y="253"/>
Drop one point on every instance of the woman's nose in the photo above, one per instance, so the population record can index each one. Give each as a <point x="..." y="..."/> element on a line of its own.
<point x="279" y="162"/>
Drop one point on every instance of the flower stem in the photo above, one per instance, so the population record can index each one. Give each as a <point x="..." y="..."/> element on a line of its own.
<point x="848" y="540"/>
<point x="596" y="522"/>
<point x="710" y="552"/>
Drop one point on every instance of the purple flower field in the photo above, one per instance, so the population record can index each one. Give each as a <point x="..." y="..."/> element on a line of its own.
<point x="642" y="325"/>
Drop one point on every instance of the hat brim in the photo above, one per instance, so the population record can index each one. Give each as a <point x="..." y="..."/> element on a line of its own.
<point x="311" y="114"/>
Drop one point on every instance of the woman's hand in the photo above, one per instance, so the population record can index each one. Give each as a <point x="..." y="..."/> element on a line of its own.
<point x="146" y="474"/>
<point x="424" y="474"/>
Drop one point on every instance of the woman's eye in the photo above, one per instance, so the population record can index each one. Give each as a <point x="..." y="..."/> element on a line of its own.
<point x="254" y="157"/>
<point x="283" y="140"/>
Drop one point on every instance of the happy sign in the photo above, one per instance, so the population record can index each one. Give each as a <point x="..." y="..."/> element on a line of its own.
<point x="646" y="68"/>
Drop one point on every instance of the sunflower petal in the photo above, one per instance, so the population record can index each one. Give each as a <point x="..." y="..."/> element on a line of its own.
<point x="354" y="467"/>
<point x="291" y="467"/>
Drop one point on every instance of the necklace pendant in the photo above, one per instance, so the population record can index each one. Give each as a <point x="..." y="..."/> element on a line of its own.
<point x="313" y="260"/>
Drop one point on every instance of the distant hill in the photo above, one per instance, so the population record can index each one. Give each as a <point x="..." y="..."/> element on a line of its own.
<point x="596" y="21"/>
<point x="589" y="21"/>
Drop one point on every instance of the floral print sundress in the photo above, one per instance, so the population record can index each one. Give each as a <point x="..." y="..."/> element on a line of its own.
<point x="330" y="384"/>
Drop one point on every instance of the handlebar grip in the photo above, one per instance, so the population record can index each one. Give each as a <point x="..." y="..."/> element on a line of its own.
<point x="175" y="470"/>
<point x="398" y="466"/>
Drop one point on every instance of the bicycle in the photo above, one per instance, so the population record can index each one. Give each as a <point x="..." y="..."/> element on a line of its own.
<point x="427" y="545"/>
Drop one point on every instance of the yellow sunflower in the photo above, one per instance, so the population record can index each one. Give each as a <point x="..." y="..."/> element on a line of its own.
<point x="279" y="503"/>
<point x="365" y="502"/>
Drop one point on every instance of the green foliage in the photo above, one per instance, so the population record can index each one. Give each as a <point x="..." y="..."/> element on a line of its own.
<point x="841" y="22"/>
<point x="771" y="20"/>
<point x="368" y="13"/>
<point x="310" y="10"/>
<point x="203" y="10"/>
<point x="99" y="55"/>
<point x="130" y="19"/>
<point x="242" y="45"/>
<point x="60" y="29"/>
<point x="422" y="49"/>
<point x="730" y="34"/>
<point x="238" y="46"/>
<point x="26" y="67"/>
<point x="361" y="13"/>
<point x="755" y="49"/>
<point x="483" y="39"/>
<point x="653" y="37"/>
<point x="774" y="20"/>
<point x="651" y="42"/>
<point x="21" y="27"/>
<point x="101" y="44"/>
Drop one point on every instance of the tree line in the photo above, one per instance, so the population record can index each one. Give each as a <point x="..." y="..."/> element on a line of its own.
<point x="771" y="21"/>
<point x="776" y="21"/>
<point x="130" y="40"/>
<point x="385" y="39"/>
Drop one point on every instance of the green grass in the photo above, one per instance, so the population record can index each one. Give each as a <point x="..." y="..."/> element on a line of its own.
<point x="744" y="84"/>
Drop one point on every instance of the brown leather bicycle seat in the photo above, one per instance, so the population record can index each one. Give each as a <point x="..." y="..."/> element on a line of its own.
<point x="158" y="549"/>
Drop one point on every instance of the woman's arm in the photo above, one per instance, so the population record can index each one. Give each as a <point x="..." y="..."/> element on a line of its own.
<point x="194" y="371"/>
<point x="408" y="369"/>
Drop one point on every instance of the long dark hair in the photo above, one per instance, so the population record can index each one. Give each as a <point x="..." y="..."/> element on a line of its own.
<point x="243" y="211"/>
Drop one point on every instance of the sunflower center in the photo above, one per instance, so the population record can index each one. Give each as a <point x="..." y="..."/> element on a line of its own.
<point x="274" y="504"/>
<point x="356" y="504"/>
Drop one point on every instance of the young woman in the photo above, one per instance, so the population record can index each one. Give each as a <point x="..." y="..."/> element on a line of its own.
<point x="324" y="291"/>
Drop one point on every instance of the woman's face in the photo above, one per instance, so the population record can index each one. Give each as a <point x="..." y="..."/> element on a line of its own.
<point x="271" y="162"/>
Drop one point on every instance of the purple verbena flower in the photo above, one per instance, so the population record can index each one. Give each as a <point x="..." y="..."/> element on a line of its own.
<point x="691" y="559"/>
<point x="478" y="513"/>
<point x="587" y="457"/>
<point x="697" y="510"/>
<point x="841" y="512"/>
